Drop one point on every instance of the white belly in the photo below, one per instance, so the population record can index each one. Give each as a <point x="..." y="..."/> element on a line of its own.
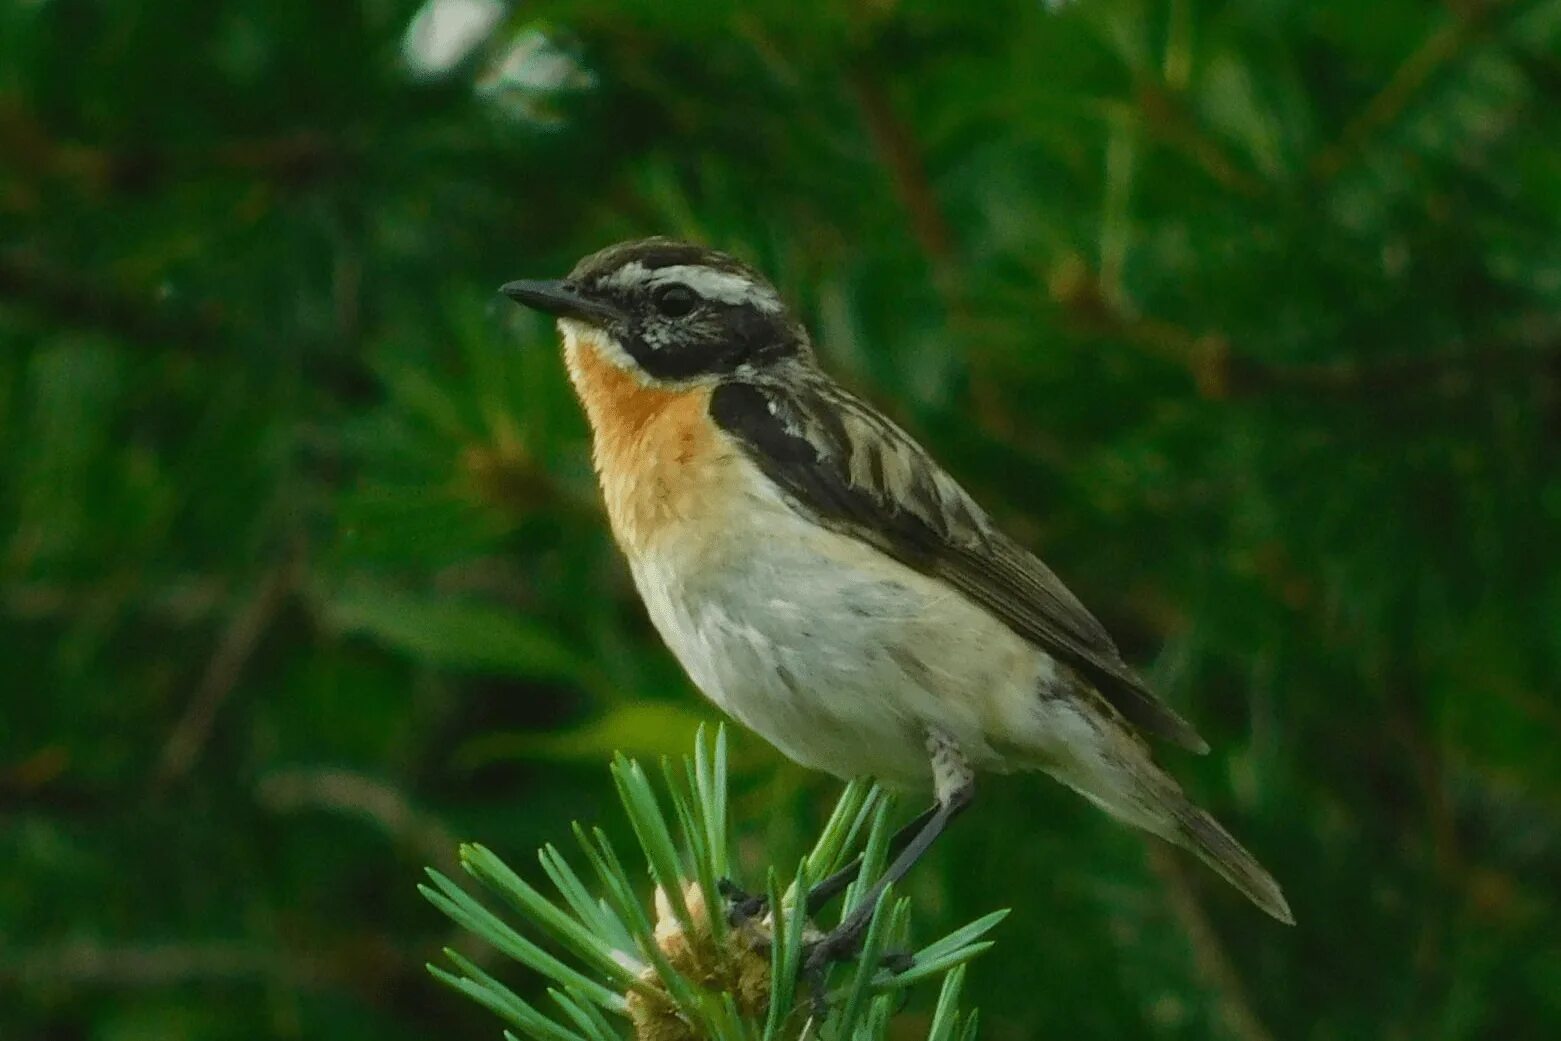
<point x="839" y="656"/>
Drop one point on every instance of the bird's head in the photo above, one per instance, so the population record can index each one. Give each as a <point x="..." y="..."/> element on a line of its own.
<point x="670" y="312"/>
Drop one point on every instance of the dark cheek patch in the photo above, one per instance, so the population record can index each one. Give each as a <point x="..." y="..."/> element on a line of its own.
<point x="715" y="341"/>
<point x="670" y="352"/>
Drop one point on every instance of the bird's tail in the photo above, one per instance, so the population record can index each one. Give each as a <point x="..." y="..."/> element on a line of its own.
<point x="1216" y="847"/>
<point x="1149" y="799"/>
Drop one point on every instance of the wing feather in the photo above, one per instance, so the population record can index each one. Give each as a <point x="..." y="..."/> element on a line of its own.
<point x="841" y="462"/>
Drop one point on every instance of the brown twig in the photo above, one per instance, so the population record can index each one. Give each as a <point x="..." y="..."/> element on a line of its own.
<point x="1214" y="963"/>
<point x="84" y="301"/>
<point x="1433" y="56"/>
<point x="100" y="963"/>
<point x="1165" y="118"/>
<point x="347" y="791"/>
<point x="93" y="962"/>
<point x="234" y="649"/>
<point x="1219" y="371"/>
<point x="898" y="152"/>
<point x="1385" y="375"/>
<point x="186" y="600"/>
<point x="295" y="158"/>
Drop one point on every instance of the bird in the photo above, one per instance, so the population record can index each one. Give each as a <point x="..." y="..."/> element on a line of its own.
<point x="826" y="583"/>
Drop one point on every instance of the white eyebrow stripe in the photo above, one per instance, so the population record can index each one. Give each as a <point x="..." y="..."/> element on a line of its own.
<point x="628" y="275"/>
<point x="726" y="287"/>
<point x="722" y="286"/>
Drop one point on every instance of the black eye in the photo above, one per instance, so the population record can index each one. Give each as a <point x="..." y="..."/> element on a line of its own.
<point x="675" y="300"/>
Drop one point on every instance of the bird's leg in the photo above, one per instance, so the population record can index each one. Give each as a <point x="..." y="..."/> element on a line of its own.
<point x="843" y="940"/>
<point x="744" y="905"/>
<point x="827" y="889"/>
<point x="955" y="787"/>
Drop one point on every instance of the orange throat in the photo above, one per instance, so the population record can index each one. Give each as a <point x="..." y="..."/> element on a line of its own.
<point x="656" y="451"/>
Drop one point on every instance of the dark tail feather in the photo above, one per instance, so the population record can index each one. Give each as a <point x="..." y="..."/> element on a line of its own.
<point x="1118" y="776"/>
<point x="1203" y="835"/>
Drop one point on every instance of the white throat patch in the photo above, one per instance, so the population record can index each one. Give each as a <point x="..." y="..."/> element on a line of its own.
<point x="582" y="335"/>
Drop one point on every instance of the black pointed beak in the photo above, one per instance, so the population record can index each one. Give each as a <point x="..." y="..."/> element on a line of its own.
<point x="558" y="298"/>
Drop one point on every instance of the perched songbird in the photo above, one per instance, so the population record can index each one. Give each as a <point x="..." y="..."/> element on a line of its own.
<point x="826" y="583"/>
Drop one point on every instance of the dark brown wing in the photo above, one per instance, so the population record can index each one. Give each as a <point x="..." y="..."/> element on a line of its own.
<point x="844" y="464"/>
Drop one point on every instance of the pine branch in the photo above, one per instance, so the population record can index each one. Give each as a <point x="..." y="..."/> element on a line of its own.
<point x="680" y="971"/>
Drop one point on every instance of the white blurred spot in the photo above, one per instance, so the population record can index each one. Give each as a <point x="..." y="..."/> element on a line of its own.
<point x="444" y="32"/>
<point x="531" y="69"/>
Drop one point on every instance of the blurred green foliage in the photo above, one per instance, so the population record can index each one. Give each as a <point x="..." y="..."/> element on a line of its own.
<point x="1247" y="316"/>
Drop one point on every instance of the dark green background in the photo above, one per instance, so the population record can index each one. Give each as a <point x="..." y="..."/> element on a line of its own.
<point x="1246" y="315"/>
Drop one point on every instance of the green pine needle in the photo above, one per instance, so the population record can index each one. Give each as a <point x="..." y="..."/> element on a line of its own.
<point x="664" y="966"/>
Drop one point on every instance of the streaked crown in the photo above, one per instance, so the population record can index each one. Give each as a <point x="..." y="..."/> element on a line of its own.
<point x="676" y="311"/>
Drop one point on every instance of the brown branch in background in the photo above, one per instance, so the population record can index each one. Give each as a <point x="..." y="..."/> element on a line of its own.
<point x="1165" y="119"/>
<point x="897" y="150"/>
<point x="366" y="963"/>
<point x="1430" y="59"/>
<point x="1219" y="372"/>
<point x="347" y="791"/>
<point x="291" y="159"/>
<point x="180" y="601"/>
<point x="83" y="301"/>
<point x="1444" y="368"/>
<point x="234" y="649"/>
<point x="30" y="155"/>
<point x="1535" y="706"/>
<point x="97" y="963"/>
<point x="424" y="835"/>
<point x="1426" y="758"/>
<point x="1213" y="962"/>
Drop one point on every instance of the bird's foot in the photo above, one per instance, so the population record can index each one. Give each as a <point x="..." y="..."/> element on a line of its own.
<point x="843" y="944"/>
<point x="741" y="906"/>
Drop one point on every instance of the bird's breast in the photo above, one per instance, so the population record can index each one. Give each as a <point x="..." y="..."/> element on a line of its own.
<point x="667" y="474"/>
